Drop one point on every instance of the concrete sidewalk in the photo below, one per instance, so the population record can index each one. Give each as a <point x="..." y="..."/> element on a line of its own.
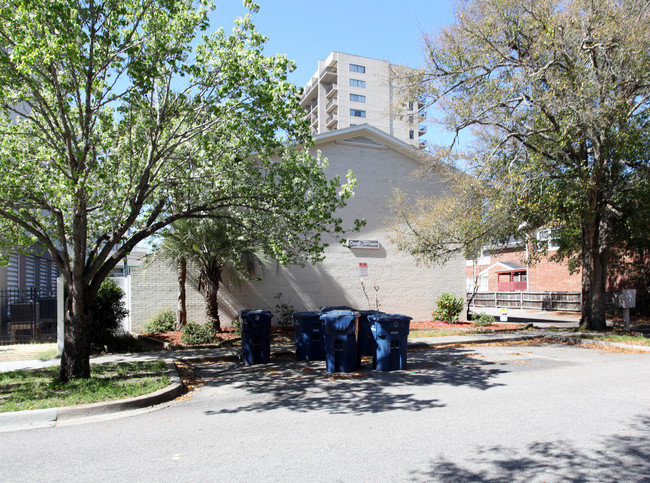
<point x="538" y="318"/>
<point x="55" y="416"/>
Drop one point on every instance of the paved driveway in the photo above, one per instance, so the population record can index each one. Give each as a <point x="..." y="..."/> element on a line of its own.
<point x="519" y="413"/>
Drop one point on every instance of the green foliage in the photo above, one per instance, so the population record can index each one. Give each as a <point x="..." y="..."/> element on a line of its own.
<point x="482" y="319"/>
<point x="163" y="321"/>
<point x="108" y="310"/>
<point x="448" y="308"/>
<point x="216" y="252"/>
<point x="557" y="102"/>
<point x="194" y="333"/>
<point x="236" y="324"/>
<point x="284" y="311"/>
<point x="119" y="118"/>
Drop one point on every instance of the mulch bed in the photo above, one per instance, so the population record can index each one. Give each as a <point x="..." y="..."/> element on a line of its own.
<point x="284" y="335"/>
<point x="280" y="335"/>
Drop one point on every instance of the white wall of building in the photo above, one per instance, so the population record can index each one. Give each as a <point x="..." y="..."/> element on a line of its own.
<point x="380" y="164"/>
<point x="403" y="286"/>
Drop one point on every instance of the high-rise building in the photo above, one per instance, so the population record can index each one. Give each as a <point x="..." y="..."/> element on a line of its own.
<point x="349" y="90"/>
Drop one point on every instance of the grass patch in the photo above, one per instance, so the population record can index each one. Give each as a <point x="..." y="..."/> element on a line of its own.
<point x="40" y="388"/>
<point x="49" y="354"/>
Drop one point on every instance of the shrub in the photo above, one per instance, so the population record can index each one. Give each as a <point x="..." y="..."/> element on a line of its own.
<point x="108" y="311"/>
<point x="194" y="333"/>
<point x="448" y="308"/>
<point x="285" y="314"/>
<point x="236" y="324"/>
<point x="163" y="321"/>
<point x="482" y="319"/>
<point x="284" y="311"/>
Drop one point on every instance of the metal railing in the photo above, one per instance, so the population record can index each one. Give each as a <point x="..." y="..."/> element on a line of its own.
<point x="27" y="315"/>
<point x="330" y="88"/>
<point x="327" y="71"/>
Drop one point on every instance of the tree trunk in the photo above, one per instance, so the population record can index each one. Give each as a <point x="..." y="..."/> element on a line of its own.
<point x="181" y="307"/>
<point x="75" y="360"/>
<point x="211" y="292"/>
<point x="594" y="276"/>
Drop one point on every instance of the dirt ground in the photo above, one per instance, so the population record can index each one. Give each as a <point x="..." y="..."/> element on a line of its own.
<point x="27" y="352"/>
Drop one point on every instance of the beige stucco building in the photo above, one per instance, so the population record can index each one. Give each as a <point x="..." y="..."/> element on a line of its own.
<point x="380" y="163"/>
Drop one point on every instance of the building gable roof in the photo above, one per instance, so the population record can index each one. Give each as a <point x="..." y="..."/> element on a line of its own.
<point x="505" y="266"/>
<point x="365" y="135"/>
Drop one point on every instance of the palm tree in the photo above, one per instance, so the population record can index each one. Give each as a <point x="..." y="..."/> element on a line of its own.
<point x="218" y="252"/>
<point x="173" y="249"/>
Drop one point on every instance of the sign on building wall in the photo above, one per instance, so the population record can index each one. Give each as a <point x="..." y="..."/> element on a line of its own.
<point x="363" y="269"/>
<point x="372" y="244"/>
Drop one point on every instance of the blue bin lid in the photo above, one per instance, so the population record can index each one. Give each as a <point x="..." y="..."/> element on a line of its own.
<point x="306" y="316"/>
<point x="370" y="312"/>
<point x="387" y="318"/>
<point x="389" y="325"/>
<point x="340" y="320"/>
<point x="253" y="316"/>
<point x="335" y="307"/>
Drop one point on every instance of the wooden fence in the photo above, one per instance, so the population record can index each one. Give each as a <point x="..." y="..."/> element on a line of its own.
<point x="560" y="301"/>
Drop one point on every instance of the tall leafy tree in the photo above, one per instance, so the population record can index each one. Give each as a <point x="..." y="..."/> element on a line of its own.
<point x="557" y="96"/>
<point x="117" y="121"/>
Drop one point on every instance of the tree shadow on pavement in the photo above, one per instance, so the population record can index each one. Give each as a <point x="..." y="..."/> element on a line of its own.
<point x="307" y="386"/>
<point x="617" y="458"/>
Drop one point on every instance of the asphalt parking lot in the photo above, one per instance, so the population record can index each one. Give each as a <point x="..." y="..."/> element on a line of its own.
<point x="499" y="413"/>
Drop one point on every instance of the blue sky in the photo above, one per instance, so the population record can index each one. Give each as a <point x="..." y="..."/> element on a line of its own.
<point x="309" y="30"/>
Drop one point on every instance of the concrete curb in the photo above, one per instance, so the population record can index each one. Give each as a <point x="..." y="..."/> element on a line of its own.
<point x="562" y="338"/>
<point x="173" y="347"/>
<point x="165" y="394"/>
<point x="39" y="418"/>
<point x="421" y="344"/>
<point x="575" y="340"/>
<point x="153" y="341"/>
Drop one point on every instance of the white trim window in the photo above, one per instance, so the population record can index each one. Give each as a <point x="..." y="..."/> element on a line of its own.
<point x="548" y="235"/>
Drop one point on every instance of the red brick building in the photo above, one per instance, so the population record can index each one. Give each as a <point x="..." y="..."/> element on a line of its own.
<point x="504" y="269"/>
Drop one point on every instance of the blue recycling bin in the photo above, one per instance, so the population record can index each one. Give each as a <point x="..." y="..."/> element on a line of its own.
<point x="255" y="336"/>
<point x="390" y="332"/>
<point x="332" y="308"/>
<point x="310" y="343"/>
<point x="340" y="342"/>
<point x="365" y="339"/>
